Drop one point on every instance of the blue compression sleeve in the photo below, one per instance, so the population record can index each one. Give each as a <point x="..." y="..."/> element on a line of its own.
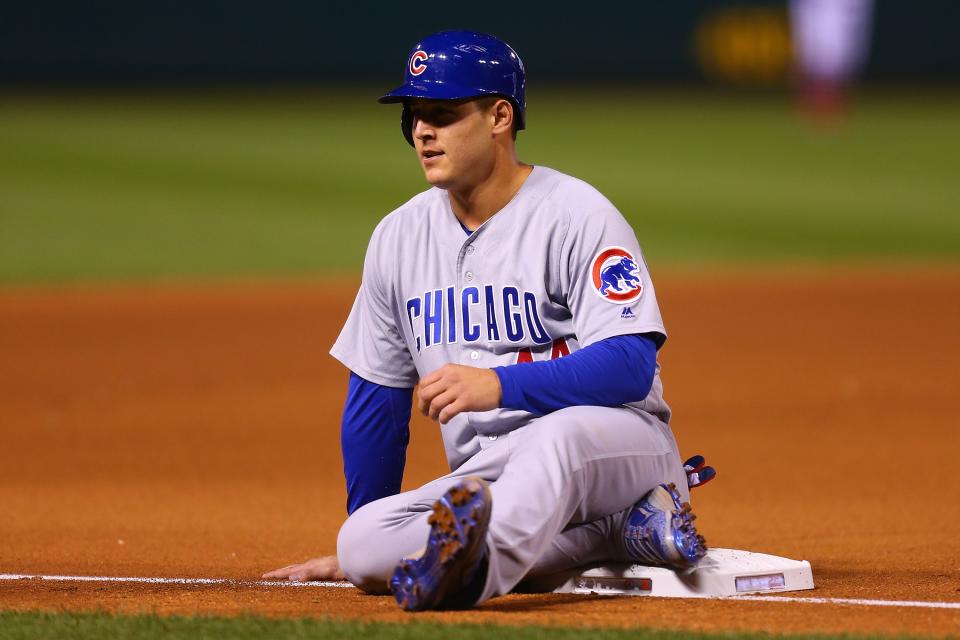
<point x="607" y="373"/>
<point x="374" y="434"/>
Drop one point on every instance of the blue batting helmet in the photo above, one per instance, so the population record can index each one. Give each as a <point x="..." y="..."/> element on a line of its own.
<point x="451" y="65"/>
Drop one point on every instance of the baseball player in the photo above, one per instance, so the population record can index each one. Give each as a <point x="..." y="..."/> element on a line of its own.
<point x="518" y="299"/>
<point x="831" y="42"/>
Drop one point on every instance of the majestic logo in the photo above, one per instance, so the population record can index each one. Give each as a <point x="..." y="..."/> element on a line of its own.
<point x="417" y="62"/>
<point x="616" y="276"/>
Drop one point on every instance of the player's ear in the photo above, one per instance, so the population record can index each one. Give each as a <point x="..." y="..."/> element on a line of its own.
<point x="502" y="112"/>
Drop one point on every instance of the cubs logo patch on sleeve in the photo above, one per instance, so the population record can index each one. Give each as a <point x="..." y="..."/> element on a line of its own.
<point x="616" y="276"/>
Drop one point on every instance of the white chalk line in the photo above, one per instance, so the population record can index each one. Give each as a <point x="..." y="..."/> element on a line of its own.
<point x="852" y="601"/>
<point x="183" y="581"/>
<point x="346" y="585"/>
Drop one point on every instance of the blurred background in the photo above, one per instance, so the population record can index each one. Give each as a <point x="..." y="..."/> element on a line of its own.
<point x="808" y="148"/>
<point x="143" y="141"/>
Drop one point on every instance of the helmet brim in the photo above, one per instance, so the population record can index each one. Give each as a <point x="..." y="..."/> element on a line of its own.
<point x="444" y="91"/>
<point x="431" y="91"/>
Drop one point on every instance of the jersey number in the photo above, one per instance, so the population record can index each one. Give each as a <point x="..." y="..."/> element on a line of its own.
<point x="559" y="350"/>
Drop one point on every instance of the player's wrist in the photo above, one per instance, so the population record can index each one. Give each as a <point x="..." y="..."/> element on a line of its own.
<point x="507" y="387"/>
<point x="497" y="389"/>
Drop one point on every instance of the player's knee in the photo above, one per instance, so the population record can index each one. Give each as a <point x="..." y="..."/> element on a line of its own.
<point x="566" y="426"/>
<point x="564" y="434"/>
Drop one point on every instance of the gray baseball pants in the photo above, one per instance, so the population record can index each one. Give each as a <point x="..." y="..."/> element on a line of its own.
<point x="562" y="487"/>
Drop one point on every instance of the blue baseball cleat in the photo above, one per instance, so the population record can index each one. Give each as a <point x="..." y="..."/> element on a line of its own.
<point x="659" y="531"/>
<point x="447" y="574"/>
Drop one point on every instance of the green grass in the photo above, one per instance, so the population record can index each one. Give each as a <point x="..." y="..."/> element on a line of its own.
<point x="279" y="183"/>
<point x="96" y="626"/>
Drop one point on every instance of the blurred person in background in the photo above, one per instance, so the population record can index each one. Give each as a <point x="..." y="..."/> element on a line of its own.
<point x="831" y="40"/>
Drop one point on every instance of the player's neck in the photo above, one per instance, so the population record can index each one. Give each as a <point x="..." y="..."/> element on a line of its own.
<point x="476" y="205"/>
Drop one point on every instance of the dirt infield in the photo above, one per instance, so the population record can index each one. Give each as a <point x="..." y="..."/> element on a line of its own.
<point x="193" y="431"/>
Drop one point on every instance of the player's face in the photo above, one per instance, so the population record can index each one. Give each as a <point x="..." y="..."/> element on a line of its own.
<point x="453" y="140"/>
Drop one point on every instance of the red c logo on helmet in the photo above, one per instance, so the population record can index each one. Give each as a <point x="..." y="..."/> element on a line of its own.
<point x="417" y="61"/>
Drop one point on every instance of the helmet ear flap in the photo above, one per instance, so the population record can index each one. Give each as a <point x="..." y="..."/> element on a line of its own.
<point x="406" y="123"/>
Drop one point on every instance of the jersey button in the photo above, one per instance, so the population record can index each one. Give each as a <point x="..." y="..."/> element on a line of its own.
<point x="474" y="355"/>
<point x="493" y="437"/>
<point x="469" y="276"/>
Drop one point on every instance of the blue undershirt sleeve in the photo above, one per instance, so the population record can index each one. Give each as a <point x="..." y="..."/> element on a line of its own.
<point x="374" y="434"/>
<point x="607" y="373"/>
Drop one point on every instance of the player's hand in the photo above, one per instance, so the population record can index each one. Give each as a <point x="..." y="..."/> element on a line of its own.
<point x="323" y="568"/>
<point x="455" y="388"/>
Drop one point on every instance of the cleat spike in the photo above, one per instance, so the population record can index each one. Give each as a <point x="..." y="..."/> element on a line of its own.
<point x="665" y="527"/>
<point x="456" y="550"/>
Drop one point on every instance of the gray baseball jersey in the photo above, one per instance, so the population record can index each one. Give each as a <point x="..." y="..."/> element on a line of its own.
<point x="556" y="269"/>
